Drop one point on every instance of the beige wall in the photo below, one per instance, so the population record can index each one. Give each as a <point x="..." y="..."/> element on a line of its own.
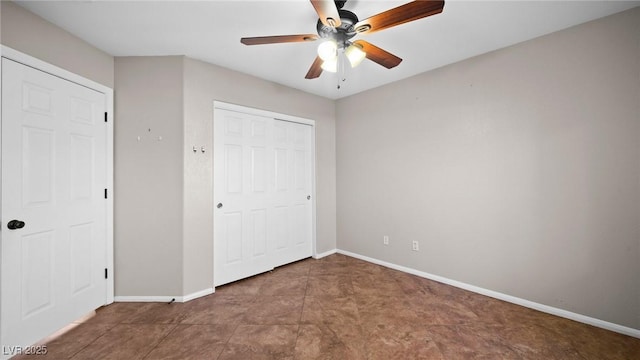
<point x="32" y="35"/>
<point x="164" y="208"/>
<point x="163" y="211"/>
<point x="148" y="176"/>
<point x="517" y="171"/>
<point x="205" y="83"/>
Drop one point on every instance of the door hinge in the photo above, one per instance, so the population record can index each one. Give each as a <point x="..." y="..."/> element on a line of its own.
<point x="105" y="193"/>
<point x="106" y="273"/>
<point x="105" y="117"/>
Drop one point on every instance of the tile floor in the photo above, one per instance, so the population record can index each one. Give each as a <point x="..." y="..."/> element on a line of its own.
<point x="335" y="308"/>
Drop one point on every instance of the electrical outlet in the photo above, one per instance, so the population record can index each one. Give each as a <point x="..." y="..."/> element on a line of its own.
<point x="415" y="246"/>
<point x="385" y="240"/>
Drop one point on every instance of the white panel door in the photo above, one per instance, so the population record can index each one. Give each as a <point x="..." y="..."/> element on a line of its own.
<point x="53" y="179"/>
<point x="241" y="195"/>
<point x="292" y="228"/>
<point x="262" y="192"/>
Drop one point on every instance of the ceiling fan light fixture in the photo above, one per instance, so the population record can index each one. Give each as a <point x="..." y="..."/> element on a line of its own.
<point x="355" y="54"/>
<point x="336" y="27"/>
<point x="328" y="50"/>
<point x="330" y="65"/>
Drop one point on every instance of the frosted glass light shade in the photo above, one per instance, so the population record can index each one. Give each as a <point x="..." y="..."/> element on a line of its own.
<point x="330" y="65"/>
<point x="328" y="50"/>
<point x="355" y="55"/>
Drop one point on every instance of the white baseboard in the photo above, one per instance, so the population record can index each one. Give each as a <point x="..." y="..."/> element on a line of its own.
<point x="166" y="299"/>
<point x="198" y="294"/>
<point x="325" y="254"/>
<point x="500" y="296"/>
<point x="147" y="298"/>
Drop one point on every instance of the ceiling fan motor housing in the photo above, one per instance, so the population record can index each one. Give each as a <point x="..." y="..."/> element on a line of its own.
<point x="341" y="34"/>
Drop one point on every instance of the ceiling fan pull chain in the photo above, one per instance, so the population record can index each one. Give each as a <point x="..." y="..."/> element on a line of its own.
<point x="343" y="70"/>
<point x="338" y="70"/>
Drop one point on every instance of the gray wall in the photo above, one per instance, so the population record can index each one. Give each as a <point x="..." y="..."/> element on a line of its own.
<point x="164" y="208"/>
<point x="32" y="35"/>
<point x="517" y="171"/>
<point x="148" y="176"/>
<point x="163" y="211"/>
<point x="205" y="83"/>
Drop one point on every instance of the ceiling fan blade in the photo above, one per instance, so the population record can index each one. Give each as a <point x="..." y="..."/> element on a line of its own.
<point x="315" y="70"/>
<point x="261" y="40"/>
<point x="327" y="11"/>
<point x="378" y="55"/>
<point x="402" y="14"/>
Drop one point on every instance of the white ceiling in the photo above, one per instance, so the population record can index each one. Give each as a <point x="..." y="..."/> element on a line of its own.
<point x="211" y="31"/>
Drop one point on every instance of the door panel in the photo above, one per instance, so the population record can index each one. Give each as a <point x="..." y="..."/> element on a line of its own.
<point x="280" y="227"/>
<point x="54" y="170"/>
<point x="37" y="99"/>
<point x="262" y="174"/>
<point x="300" y="170"/>
<point x="233" y="164"/>
<point x="80" y="262"/>
<point x="81" y="167"/>
<point x="240" y="187"/>
<point x="37" y="252"/>
<point x="258" y="169"/>
<point x="293" y="159"/>
<point x="38" y="152"/>
<point x="233" y="221"/>
<point x="258" y="239"/>
<point x="281" y="162"/>
<point x="82" y="111"/>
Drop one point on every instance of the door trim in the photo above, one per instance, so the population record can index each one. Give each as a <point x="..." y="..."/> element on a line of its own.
<point x="17" y="56"/>
<point x="259" y="112"/>
<point x="283" y="117"/>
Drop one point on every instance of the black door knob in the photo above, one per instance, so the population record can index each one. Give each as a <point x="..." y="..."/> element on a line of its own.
<point x="15" y="224"/>
<point x="219" y="205"/>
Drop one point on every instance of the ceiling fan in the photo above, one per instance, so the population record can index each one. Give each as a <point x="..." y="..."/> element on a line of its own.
<point x="336" y="27"/>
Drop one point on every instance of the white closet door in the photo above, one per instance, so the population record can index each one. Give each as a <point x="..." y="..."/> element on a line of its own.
<point x="292" y="211"/>
<point x="262" y="194"/>
<point x="241" y="195"/>
<point x="53" y="179"/>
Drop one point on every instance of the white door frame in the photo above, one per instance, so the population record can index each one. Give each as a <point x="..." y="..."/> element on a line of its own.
<point x="9" y="53"/>
<point x="283" y="117"/>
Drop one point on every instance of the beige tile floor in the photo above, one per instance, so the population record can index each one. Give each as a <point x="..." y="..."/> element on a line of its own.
<point x="335" y="308"/>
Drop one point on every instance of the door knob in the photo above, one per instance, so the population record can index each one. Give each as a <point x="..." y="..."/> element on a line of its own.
<point x="219" y="205"/>
<point x="308" y="197"/>
<point x="15" y="224"/>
